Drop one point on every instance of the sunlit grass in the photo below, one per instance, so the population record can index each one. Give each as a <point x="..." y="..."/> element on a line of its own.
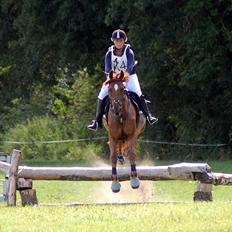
<point x="188" y="217"/>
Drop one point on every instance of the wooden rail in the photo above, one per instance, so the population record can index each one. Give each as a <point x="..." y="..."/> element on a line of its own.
<point x="20" y="177"/>
<point x="182" y="171"/>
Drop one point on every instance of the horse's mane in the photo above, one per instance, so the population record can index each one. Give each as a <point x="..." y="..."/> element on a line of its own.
<point x="117" y="76"/>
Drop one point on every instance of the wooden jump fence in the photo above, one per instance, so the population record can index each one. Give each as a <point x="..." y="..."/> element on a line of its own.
<point x="20" y="177"/>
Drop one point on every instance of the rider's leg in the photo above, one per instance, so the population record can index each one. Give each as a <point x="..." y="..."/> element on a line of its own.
<point x="97" y="122"/>
<point x="151" y="119"/>
<point x="134" y="86"/>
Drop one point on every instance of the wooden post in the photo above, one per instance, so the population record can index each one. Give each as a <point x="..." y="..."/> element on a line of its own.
<point x="28" y="195"/>
<point x="24" y="184"/>
<point x="203" y="193"/>
<point x="12" y="178"/>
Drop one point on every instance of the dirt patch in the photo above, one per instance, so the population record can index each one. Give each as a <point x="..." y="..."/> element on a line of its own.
<point x="127" y="194"/>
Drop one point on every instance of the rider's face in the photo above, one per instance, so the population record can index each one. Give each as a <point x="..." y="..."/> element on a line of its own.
<point x="119" y="43"/>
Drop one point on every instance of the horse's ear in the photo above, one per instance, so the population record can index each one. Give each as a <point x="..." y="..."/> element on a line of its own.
<point x="125" y="76"/>
<point x="111" y="75"/>
<point x="121" y="75"/>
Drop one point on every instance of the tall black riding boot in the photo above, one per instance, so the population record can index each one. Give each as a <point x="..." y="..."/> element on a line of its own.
<point x="151" y="120"/>
<point x="97" y="122"/>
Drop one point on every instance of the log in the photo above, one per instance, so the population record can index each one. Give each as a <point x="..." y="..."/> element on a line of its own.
<point x="12" y="178"/>
<point x="182" y="171"/>
<point x="222" y="179"/>
<point x="4" y="166"/>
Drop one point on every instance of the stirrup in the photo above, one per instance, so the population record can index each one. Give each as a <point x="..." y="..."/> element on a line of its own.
<point x="93" y="126"/>
<point x="151" y="120"/>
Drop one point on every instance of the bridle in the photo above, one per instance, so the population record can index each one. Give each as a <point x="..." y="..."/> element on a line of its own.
<point x="116" y="104"/>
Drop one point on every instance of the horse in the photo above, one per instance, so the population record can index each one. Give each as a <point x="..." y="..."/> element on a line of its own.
<point x="124" y="125"/>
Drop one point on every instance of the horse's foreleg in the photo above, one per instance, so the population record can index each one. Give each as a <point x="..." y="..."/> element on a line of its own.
<point x="132" y="156"/>
<point x="120" y="155"/>
<point x="134" y="176"/>
<point x="113" y="155"/>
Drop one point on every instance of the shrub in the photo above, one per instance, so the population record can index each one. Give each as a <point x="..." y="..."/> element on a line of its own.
<point x="32" y="137"/>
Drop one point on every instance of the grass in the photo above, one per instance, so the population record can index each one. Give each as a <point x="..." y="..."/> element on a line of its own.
<point x="224" y="166"/>
<point x="204" y="217"/>
<point x="186" y="216"/>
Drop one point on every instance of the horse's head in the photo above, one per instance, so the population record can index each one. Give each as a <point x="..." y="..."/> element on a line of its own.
<point x="117" y="76"/>
<point x="116" y="82"/>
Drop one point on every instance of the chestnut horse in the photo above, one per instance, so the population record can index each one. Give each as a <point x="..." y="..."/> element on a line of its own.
<point x="123" y="127"/>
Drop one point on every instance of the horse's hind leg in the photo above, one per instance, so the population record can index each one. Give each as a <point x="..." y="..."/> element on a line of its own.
<point x="120" y="155"/>
<point x="115" y="186"/>
<point x="134" y="181"/>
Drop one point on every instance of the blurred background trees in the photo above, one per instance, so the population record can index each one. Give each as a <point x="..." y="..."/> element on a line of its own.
<point x="52" y="61"/>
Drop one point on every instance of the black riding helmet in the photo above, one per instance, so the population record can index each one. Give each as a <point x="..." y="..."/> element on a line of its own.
<point x="119" y="34"/>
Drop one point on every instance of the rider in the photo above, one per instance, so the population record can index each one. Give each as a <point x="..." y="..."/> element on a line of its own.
<point x="120" y="57"/>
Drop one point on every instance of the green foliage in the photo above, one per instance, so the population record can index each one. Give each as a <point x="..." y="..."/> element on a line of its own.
<point x="20" y="109"/>
<point x="54" y="51"/>
<point x="184" y="55"/>
<point x="4" y="69"/>
<point x="36" y="136"/>
<point x="75" y="93"/>
<point x="75" y="97"/>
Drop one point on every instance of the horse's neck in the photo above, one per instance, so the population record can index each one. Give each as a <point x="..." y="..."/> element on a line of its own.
<point x="126" y="106"/>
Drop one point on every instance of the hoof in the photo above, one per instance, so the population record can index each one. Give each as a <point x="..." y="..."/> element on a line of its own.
<point x="135" y="182"/>
<point x="115" y="186"/>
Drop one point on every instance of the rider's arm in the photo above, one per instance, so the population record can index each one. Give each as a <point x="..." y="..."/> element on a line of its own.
<point x="108" y="63"/>
<point x="130" y="61"/>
